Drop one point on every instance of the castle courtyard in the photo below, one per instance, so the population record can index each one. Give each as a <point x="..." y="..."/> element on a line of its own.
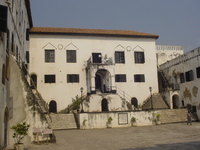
<point x="161" y="137"/>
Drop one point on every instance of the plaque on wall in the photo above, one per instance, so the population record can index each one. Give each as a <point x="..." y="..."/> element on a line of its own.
<point x="122" y="118"/>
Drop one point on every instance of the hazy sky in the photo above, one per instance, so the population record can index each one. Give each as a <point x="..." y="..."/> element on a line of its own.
<point x="177" y="22"/>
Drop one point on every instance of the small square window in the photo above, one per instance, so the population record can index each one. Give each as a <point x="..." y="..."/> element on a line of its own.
<point x="49" y="78"/>
<point x="71" y="56"/>
<point x="139" y="78"/>
<point x="189" y="76"/>
<point x="198" y="72"/>
<point x="182" y="78"/>
<point x="49" y="56"/>
<point x="119" y="57"/>
<point x="72" y="78"/>
<point x="139" y="57"/>
<point x="120" y="78"/>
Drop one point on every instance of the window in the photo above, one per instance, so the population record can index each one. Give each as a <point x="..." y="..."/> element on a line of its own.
<point x="71" y="56"/>
<point x="27" y="56"/>
<point x="198" y="72"/>
<point x="120" y="78"/>
<point x="119" y="57"/>
<point x="139" y="78"/>
<point x="49" y="78"/>
<point x="72" y="78"/>
<point x="3" y="18"/>
<point x="33" y="81"/>
<point x="49" y="56"/>
<point x="27" y="34"/>
<point x="139" y="57"/>
<point x="182" y="78"/>
<point x="3" y="74"/>
<point x="189" y="76"/>
<point x="96" y="57"/>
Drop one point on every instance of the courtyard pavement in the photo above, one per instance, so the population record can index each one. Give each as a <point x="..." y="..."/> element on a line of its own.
<point x="178" y="136"/>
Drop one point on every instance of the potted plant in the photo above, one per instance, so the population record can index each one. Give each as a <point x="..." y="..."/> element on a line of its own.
<point x="157" y="119"/>
<point x="76" y="104"/>
<point x="20" y="131"/>
<point x="133" y="122"/>
<point x="109" y="123"/>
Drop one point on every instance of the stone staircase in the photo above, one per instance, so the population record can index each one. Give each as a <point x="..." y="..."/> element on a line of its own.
<point x="157" y="101"/>
<point x="173" y="115"/>
<point x="63" y="121"/>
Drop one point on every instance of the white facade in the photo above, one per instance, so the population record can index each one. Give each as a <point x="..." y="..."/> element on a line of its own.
<point x="168" y="52"/>
<point x="183" y="73"/>
<point x="98" y="79"/>
<point x="15" y="19"/>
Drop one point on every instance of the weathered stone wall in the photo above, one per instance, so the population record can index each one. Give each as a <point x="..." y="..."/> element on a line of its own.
<point x="24" y="108"/>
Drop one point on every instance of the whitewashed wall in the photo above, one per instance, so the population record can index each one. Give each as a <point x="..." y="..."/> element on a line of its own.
<point x="63" y="92"/>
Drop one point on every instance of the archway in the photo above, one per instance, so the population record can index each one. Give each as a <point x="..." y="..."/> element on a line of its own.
<point x="175" y="101"/>
<point x="104" y="105"/>
<point x="5" y="126"/>
<point x="103" y="81"/>
<point x="134" y="102"/>
<point x="52" y="107"/>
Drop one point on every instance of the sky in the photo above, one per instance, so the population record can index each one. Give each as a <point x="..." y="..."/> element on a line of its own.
<point x="177" y="22"/>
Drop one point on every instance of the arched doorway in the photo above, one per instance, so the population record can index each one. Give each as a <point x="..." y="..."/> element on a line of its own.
<point x="52" y="107"/>
<point x="104" y="105"/>
<point x="103" y="81"/>
<point x="134" y="102"/>
<point x="175" y="101"/>
<point x="5" y="126"/>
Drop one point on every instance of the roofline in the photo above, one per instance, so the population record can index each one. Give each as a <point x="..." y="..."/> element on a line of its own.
<point x="28" y="8"/>
<point x="90" y="32"/>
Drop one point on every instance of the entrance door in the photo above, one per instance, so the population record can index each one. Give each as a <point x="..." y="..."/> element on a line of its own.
<point x="98" y="82"/>
<point x="104" y="105"/>
<point x="96" y="57"/>
<point x="53" y="107"/>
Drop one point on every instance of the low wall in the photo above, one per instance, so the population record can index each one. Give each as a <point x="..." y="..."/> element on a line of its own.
<point x="120" y="119"/>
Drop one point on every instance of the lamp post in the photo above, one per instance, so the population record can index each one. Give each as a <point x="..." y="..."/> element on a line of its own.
<point x="81" y="89"/>
<point x="150" y="89"/>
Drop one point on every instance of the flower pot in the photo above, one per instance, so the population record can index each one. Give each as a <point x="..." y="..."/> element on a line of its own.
<point x="134" y="124"/>
<point x="158" y="122"/>
<point x="18" y="146"/>
<point x="109" y="125"/>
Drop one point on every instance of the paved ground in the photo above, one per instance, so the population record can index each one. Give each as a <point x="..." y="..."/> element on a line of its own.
<point x="162" y="137"/>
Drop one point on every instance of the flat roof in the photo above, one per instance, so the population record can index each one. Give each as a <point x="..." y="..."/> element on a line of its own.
<point x="93" y="32"/>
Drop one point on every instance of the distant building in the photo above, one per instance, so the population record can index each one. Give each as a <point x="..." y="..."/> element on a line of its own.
<point x="15" y="21"/>
<point x="183" y="77"/>
<point x="168" y="52"/>
<point x="115" y="68"/>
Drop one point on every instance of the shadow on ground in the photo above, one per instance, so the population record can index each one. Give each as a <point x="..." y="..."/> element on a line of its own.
<point x="175" y="146"/>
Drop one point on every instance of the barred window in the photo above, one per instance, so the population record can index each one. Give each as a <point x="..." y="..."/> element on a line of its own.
<point x="182" y="78"/>
<point x="119" y="57"/>
<point x="49" y="56"/>
<point x="71" y="56"/>
<point x="198" y="72"/>
<point x="50" y="78"/>
<point x="139" y="78"/>
<point x="139" y="57"/>
<point x="120" y="78"/>
<point x="72" y="78"/>
<point x="3" y="18"/>
<point x="189" y="76"/>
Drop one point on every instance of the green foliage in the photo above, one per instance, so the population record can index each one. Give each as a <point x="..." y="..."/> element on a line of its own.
<point x="110" y="119"/>
<point x="157" y="116"/>
<point x="76" y="103"/>
<point x="84" y="121"/>
<point x="133" y="119"/>
<point x="20" y="131"/>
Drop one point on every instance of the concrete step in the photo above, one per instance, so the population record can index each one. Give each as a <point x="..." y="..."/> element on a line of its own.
<point x="173" y="115"/>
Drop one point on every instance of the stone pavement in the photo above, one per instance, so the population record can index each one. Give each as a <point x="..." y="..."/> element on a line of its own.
<point x="177" y="136"/>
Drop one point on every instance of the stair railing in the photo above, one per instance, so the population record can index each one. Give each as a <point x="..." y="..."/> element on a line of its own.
<point x="22" y="66"/>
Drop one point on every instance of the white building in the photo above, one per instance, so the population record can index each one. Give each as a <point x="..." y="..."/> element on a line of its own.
<point x="15" y="20"/>
<point x="168" y="52"/>
<point x="183" y="76"/>
<point x="115" y="68"/>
